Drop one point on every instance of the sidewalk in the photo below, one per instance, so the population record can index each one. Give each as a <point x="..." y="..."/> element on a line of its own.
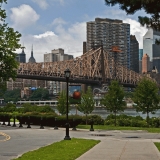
<point x="117" y="149"/>
<point x="114" y="145"/>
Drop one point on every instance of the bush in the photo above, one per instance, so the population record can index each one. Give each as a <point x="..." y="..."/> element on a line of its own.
<point x="97" y="119"/>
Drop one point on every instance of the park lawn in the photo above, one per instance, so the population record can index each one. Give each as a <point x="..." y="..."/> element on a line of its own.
<point x="106" y="127"/>
<point x="157" y="144"/>
<point x="65" y="149"/>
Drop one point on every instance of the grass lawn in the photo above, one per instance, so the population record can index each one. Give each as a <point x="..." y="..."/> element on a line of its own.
<point x="65" y="149"/>
<point x="157" y="144"/>
<point x="105" y="127"/>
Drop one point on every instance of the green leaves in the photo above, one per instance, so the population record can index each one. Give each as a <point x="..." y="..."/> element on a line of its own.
<point x="146" y="96"/>
<point x="87" y="102"/>
<point x="113" y="99"/>
<point x="149" y="6"/>
<point x="62" y="102"/>
<point x="9" y="42"/>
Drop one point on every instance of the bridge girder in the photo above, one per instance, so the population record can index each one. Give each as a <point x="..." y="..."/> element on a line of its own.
<point x="86" y="68"/>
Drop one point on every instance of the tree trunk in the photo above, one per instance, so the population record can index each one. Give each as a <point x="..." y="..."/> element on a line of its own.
<point x="148" y="118"/>
<point x="115" y="119"/>
<point x="86" y="119"/>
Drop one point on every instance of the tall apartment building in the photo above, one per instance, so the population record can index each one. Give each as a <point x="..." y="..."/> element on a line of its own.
<point x="140" y="60"/>
<point x="152" y="49"/>
<point x="56" y="55"/>
<point x="110" y="33"/>
<point x="145" y="63"/>
<point x="21" y="57"/>
<point x="134" y="54"/>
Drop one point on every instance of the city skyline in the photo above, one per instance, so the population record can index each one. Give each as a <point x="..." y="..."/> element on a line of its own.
<point x="60" y="24"/>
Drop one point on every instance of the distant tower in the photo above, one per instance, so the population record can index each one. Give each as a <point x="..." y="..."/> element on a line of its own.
<point x="32" y="59"/>
<point x="21" y="57"/>
<point x="145" y="63"/>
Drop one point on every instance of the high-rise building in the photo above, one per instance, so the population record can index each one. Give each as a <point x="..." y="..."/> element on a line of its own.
<point x="140" y="54"/>
<point x="140" y="60"/>
<point x="32" y="59"/>
<point x="145" y="63"/>
<point x="21" y="57"/>
<point x="110" y="33"/>
<point x="151" y="48"/>
<point x="57" y="55"/>
<point x="134" y="54"/>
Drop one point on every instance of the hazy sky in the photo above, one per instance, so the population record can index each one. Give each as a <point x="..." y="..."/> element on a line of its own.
<point x="53" y="24"/>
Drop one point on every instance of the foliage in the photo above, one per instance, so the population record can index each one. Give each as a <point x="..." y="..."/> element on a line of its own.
<point x="9" y="107"/>
<point x="9" y="43"/>
<point x="97" y="119"/>
<point x="113" y="99"/>
<point x="61" y="150"/>
<point x="146" y="97"/>
<point x="128" y="94"/>
<point x="87" y="102"/>
<point x="27" y="107"/>
<point x="124" y="120"/>
<point x="62" y="101"/>
<point x="40" y="94"/>
<point x="150" y="7"/>
<point x="12" y="95"/>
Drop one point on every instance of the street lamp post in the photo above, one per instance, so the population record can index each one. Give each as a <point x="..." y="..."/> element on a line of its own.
<point x="67" y="73"/>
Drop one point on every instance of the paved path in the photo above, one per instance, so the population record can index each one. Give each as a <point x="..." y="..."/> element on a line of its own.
<point x="114" y="145"/>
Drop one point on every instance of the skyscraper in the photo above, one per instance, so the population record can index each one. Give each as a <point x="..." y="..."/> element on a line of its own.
<point x="21" y="57"/>
<point x="145" y="63"/>
<point x="152" y="49"/>
<point x="110" y="33"/>
<point x="57" y="55"/>
<point x="134" y="54"/>
<point x="32" y="59"/>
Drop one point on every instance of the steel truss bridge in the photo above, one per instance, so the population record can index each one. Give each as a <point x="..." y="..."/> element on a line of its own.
<point x="94" y="67"/>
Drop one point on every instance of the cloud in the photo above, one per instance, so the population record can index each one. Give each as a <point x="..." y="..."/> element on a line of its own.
<point x="23" y="16"/>
<point x="41" y="3"/>
<point x="137" y="30"/>
<point x="46" y="34"/>
<point x="58" y="21"/>
<point x="70" y="39"/>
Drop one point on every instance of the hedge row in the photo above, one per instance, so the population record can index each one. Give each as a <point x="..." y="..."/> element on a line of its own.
<point x="138" y="121"/>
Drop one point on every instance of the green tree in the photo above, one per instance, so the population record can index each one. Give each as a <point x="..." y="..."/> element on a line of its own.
<point x="62" y="101"/>
<point x="10" y="107"/>
<point x="113" y="100"/>
<point x="146" y="97"/>
<point x="12" y="95"/>
<point x="151" y="7"/>
<point x="87" y="103"/>
<point x="40" y="94"/>
<point x="8" y="44"/>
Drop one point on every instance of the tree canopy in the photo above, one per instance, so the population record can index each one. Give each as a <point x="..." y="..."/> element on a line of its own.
<point x="62" y="102"/>
<point x="12" y="95"/>
<point x="114" y="99"/>
<point x="151" y="7"/>
<point x="87" y="103"/>
<point x="40" y="94"/>
<point x="9" y="42"/>
<point x="146" y="97"/>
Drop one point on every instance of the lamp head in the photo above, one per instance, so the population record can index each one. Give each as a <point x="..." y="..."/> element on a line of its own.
<point x="67" y="73"/>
